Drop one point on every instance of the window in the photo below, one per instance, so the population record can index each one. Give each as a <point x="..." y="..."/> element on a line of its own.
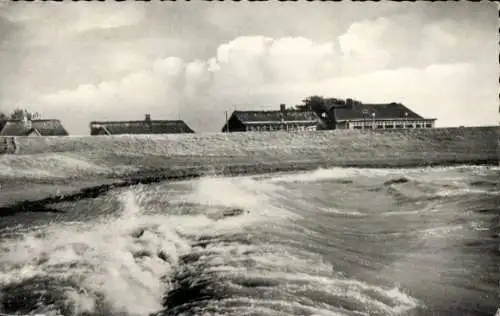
<point x="389" y="126"/>
<point x="379" y="126"/>
<point x="418" y="126"/>
<point x="357" y="127"/>
<point x="399" y="126"/>
<point x="428" y="125"/>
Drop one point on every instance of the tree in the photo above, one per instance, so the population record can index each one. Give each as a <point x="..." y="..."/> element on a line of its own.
<point x="325" y="108"/>
<point x="321" y="104"/>
<point x="18" y="114"/>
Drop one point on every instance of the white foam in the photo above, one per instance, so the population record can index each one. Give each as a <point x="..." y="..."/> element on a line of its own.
<point x="102" y="255"/>
<point x="259" y="200"/>
<point x="464" y="191"/>
<point x="438" y="173"/>
<point x="440" y="231"/>
<point x="342" y="212"/>
<point x="101" y="252"/>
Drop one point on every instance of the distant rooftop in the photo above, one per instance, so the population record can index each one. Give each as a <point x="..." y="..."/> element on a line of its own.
<point x="146" y="126"/>
<point x="265" y="116"/>
<point x="358" y="110"/>
<point x="47" y="127"/>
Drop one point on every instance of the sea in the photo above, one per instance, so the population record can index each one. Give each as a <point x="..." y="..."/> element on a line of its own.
<point x="339" y="241"/>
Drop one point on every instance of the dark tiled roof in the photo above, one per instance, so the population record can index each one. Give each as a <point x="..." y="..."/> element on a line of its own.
<point x="141" y="127"/>
<point x="270" y="116"/>
<point x="382" y="111"/>
<point x="42" y="127"/>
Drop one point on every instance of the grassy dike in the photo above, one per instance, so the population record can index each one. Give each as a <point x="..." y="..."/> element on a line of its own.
<point x="153" y="158"/>
<point x="378" y="148"/>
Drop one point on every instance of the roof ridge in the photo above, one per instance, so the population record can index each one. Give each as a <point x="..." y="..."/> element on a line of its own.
<point x="138" y="121"/>
<point x="277" y="110"/>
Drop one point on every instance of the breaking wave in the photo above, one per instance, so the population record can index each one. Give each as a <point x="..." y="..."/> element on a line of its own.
<point x="340" y="241"/>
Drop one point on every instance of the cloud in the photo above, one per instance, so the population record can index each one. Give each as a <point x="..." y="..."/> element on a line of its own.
<point x="153" y="89"/>
<point x="47" y="23"/>
<point x="271" y="71"/>
<point x="402" y="57"/>
<point x="364" y="43"/>
<point x="409" y="39"/>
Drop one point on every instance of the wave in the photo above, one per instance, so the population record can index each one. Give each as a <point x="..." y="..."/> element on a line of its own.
<point x="441" y="185"/>
<point x="168" y="250"/>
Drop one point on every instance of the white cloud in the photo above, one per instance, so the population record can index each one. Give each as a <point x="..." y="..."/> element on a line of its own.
<point x="409" y="40"/>
<point x="426" y="65"/>
<point x="204" y="89"/>
<point x="362" y="45"/>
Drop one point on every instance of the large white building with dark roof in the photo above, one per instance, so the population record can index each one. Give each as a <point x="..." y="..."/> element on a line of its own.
<point x="349" y="115"/>
<point x="357" y="115"/>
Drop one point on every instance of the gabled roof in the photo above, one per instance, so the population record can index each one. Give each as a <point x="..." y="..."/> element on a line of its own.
<point x="140" y="127"/>
<point x="248" y="117"/>
<point x="41" y="127"/>
<point x="382" y="111"/>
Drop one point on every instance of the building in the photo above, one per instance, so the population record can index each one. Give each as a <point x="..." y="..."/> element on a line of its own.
<point x="357" y="115"/>
<point x="146" y="126"/>
<point x="28" y="127"/>
<point x="279" y="120"/>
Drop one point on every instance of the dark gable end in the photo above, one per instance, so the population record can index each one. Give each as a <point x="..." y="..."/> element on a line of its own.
<point x="34" y="127"/>
<point x="49" y="127"/>
<point x="13" y="128"/>
<point x="139" y="127"/>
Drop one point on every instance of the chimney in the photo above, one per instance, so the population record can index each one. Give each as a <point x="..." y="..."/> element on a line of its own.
<point x="147" y="117"/>
<point x="282" y="108"/>
<point x="349" y="102"/>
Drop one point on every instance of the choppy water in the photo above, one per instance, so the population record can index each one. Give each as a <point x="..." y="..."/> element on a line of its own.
<point x="328" y="242"/>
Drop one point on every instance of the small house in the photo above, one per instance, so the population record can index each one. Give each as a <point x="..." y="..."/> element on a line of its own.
<point x="279" y="120"/>
<point x="146" y="126"/>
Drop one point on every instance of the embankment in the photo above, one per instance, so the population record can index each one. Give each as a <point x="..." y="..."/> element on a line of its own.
<point x="44" y="161"/>
<point x="385" y="148"/>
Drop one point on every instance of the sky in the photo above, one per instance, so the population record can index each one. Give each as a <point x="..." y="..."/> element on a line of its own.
<point x="84" y="61"/>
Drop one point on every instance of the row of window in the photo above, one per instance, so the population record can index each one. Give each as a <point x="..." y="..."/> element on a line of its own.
<point x="389" y="123"/>
<point x="389" y="126"/>
<point x="281" y="127"/>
